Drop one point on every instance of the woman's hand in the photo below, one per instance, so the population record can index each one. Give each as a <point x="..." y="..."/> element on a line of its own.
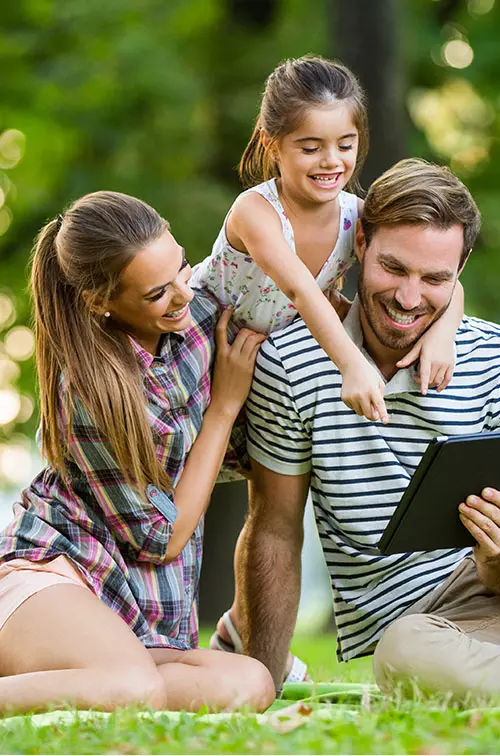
<point x="234" y="366"/>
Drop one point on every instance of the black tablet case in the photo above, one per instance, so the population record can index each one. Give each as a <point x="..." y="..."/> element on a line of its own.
<point x="452" y="468"/>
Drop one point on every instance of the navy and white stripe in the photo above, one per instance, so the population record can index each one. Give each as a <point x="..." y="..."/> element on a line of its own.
<point x="298" y="423"/>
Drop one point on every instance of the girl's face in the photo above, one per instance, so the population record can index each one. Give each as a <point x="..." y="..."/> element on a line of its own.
<point x="317" y="159"/>
<point x="154" y="293"/>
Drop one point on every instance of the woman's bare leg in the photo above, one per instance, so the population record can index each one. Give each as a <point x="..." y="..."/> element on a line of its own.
<point x="63" y="646"/>
<point x="221" y="681"/>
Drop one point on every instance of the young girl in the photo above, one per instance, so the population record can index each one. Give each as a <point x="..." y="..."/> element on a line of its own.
<point x="134" y="434"/>
<point x="290" y="237"/>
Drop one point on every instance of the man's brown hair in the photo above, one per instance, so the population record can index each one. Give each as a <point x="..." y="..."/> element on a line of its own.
<point x="416" y="192"/>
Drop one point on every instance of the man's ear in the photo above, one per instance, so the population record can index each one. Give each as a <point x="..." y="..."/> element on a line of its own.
<point x="360" y="241"/>
<point x="463" y="264"/>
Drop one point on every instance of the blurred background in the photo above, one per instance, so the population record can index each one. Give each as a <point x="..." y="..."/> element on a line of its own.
<point x="158" y="99"/>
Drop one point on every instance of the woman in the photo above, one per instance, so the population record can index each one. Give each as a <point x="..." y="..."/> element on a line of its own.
<point x="134" y="435"/>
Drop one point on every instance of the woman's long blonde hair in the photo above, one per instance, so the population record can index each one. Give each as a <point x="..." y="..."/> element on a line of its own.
<point x="76" y="268"/>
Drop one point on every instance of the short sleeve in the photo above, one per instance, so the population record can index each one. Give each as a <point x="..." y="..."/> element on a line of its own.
<point x="277" y="437"/>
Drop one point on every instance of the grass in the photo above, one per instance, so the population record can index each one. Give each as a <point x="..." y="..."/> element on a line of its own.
<point x="378" y="726"/>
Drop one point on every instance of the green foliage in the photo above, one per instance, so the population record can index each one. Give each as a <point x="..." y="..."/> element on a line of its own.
<point x="158" y="100"/>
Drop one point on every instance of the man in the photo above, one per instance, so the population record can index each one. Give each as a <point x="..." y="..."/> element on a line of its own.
<point x="431" y="616"/>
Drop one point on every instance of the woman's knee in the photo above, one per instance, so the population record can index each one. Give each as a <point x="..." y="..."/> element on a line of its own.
<point x="245" y="683"/>
<point x="138" y="686"/>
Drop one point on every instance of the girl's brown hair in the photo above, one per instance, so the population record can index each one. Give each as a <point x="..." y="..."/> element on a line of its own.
<point x="76" y="268"/>
<point x="293" y="87"/>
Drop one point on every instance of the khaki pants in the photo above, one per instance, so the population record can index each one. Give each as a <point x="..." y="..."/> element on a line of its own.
<point x="448" y="641"/>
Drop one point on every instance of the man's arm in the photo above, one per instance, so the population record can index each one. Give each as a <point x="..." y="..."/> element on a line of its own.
<point x="270" y="578"/>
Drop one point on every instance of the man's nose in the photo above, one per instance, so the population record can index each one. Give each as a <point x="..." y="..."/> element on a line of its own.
<point x="408" y="294"/>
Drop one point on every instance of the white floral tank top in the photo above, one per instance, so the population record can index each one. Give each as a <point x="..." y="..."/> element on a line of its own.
<point x="235" y="279"/>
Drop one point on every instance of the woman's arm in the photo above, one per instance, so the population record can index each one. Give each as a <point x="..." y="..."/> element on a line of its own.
<point x="231" y="382"/>
<point x="256" y="224"/>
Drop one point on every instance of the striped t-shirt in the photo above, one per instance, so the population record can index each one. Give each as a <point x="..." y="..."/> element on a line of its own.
<point x="359" y="469"/>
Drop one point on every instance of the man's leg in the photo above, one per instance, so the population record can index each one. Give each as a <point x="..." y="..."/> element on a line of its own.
<point x="447" y="642"/>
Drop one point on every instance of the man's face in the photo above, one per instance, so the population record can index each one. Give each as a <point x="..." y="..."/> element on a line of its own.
<point x="407" y="278"/>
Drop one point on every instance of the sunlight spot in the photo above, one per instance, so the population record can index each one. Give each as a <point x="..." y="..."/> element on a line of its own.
<point x="7" y="311"/>
<point x="10" y="404"/>
<point x="458" y="53"/>
<point x="480" y="7"/>
<point x="20" y="343"/>
<point x="12" y="143"/>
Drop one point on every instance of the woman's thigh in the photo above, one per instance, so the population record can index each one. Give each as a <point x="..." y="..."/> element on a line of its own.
<point x="65" y="626"/>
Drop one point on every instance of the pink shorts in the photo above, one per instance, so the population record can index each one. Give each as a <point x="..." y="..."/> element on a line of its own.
<point x="21" y="578"/>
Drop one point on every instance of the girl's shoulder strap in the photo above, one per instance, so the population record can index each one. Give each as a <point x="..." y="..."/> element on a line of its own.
<point x="349" y="202"/>
<point x="269" y="191"/>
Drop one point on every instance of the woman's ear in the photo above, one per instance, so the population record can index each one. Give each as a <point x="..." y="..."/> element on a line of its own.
<point x="96" y="305"/>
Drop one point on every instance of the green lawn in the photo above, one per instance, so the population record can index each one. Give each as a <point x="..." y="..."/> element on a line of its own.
<point x="375" y="726"/>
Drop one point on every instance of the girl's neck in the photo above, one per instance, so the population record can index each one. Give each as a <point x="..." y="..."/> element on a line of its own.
<point x="297" y="206"/>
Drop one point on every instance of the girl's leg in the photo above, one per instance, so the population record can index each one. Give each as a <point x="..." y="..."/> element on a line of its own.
<point x="221" y="681"/>
<point x="63" y="645"/>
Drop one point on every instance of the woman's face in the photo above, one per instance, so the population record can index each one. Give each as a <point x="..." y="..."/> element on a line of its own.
<point x="154" y="293"/>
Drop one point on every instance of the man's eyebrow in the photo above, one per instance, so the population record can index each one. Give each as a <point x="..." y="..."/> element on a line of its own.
<point x="318" y="139"/>
<point x="437" y="275"/>
<point x="156" y="289"/>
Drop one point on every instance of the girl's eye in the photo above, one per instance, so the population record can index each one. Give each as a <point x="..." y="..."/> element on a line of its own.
<point x="185" y="262"/>
<point x="309" y="150"/>
<point x="345" y="147"/>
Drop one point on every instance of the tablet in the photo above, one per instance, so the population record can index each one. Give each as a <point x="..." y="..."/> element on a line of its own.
<point x="452" y="468"/>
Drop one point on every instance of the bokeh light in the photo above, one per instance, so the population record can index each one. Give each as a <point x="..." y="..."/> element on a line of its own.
<point x="9" y="371"/>
<point x="456" y="121"/>
<point x="10" y="404"/>
<point x="7" y="311"/>
<point x="20" y="343"/>
<point x="15" y="461"/>
<point x="458" y="53"/>
<point x="5" y="219"/>
<point x="26" y="410"/>
<point x="12" y="143"/>
<point x="480" y="7"/>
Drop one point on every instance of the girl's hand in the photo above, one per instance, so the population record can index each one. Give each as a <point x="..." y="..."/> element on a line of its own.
<point x="436" y="361"/>
<point x="234" y="366"/>
<point x="363" y="390"/>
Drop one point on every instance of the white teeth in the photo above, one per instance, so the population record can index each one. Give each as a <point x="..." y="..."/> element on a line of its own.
<point x="174" y="314"/>
<point x="325" y="179"/>
<point x="398" y="318"/>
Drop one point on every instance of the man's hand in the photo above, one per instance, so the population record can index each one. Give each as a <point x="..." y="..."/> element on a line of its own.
<point x="481" y="517"/>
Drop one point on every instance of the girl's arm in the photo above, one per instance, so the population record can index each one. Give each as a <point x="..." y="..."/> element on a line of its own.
<point x="436" y="348"/>
<point x="256" y="226"/>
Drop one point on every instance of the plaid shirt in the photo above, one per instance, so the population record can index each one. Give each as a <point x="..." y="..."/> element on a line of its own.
<point x="113" y="536"/>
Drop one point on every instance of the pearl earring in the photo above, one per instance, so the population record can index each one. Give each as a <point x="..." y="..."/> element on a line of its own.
<point x="107" y="314"/>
